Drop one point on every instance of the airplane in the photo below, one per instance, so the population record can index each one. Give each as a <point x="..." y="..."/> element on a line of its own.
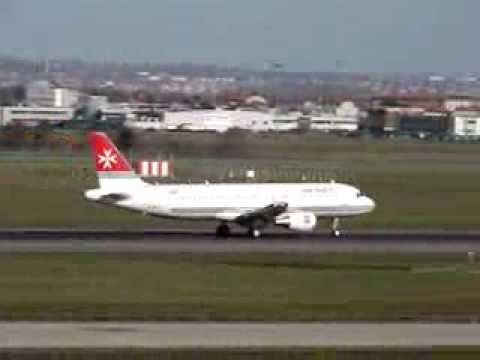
<point x="254" y="206"/>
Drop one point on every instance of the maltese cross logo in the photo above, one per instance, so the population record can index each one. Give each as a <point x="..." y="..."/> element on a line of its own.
<point x="107" y="160"/>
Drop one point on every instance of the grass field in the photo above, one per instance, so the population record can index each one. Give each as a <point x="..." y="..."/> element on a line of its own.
<point x="417" y="186"/>
<point x="238" y="287"/>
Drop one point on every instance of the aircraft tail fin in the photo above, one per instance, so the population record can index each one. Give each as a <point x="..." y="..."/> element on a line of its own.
<point x="112" y="168"/>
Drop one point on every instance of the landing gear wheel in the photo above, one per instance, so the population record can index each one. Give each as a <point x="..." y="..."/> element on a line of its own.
<point x="223" y="231"/>
<point x="254" y="233"/>
<point x="335" y="225"/>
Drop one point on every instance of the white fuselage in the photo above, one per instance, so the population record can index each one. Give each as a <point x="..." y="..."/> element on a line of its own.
<point x="228" y="201"/>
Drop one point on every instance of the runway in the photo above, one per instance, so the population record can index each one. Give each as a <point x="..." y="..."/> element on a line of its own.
<point x="233" y="335"/>
<point x="175" y="241"/>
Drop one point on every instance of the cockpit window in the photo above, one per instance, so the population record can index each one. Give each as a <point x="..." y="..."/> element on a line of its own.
<point x="361" y="194"/>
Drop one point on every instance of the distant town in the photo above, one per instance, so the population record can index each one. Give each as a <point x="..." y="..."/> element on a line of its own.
<point x="73" y="94"/>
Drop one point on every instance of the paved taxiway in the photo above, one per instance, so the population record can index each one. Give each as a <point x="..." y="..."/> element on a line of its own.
<point x="205" y="242"/>
<point x="233" y="335"/>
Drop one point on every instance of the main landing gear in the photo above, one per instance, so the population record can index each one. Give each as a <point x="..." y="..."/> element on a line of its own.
<point x="223" y="231"/>
<point x="335" y="224"/>
<point x="255" y="228"/>
<point x="254" y="232"/>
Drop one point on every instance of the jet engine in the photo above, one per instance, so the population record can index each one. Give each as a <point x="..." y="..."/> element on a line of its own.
<point x="298" y="221"/>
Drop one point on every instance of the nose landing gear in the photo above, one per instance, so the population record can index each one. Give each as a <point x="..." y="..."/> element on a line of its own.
<point x="335" y="224"/>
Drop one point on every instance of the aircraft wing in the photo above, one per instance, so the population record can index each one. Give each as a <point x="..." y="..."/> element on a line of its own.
<point x="266" y="214"/>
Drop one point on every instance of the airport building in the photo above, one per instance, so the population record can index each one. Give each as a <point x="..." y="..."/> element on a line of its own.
<point x="143" y="113"/>
<point x="33" y="116"/>
<point x="44" y="94"/>
<point x="287" y="121"/>
<point x="406" y="121"/>
<point x="345" y="118"/>
<point x="458" y="103"/>
<point x="465" y="124"/>
<point x="217" y="120"/>
<point x="428" y="123"/>
<point x="333" y="123"/>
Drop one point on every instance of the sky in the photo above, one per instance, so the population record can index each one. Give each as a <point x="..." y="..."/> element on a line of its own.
<point x="304" y="35"/>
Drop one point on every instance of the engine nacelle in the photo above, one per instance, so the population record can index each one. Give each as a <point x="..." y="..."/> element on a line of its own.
<point x="298" y="221"/>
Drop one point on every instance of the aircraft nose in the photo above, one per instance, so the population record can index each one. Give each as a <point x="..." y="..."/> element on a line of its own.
<point x="370" y="203"/>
